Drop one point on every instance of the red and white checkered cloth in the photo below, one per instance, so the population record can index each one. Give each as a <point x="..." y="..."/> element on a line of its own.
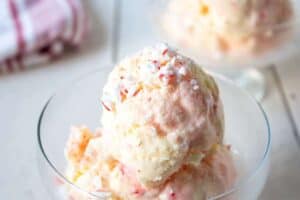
<point x="35" y="31"/>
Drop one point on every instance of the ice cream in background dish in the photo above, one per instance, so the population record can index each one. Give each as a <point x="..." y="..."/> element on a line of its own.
<point x="161" y="136"/>
<point x="228" y="27"/>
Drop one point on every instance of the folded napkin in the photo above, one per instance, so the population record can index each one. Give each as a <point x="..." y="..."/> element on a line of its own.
<point x="35" y="31"/>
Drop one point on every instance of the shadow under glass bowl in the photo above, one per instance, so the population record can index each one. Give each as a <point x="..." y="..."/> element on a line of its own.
<point x="274" y="43"/>
<point x="247" y="131"/>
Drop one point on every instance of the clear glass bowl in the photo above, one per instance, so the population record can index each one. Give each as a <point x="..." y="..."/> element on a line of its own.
<point x="274" y="44"/>
<point x="247" y="131"/>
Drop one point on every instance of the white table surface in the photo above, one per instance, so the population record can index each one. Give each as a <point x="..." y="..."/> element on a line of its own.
<point x="119" y="29"/>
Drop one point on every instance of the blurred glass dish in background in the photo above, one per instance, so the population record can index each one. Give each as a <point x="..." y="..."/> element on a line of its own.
<point x="250" y="142"/>
<point x="232" y="37"/>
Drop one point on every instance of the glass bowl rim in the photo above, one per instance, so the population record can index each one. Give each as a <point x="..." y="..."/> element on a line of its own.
<point x="228" y="192"/>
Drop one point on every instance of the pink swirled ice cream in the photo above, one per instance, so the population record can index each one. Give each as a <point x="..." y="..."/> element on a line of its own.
<point x="227" y="27"/>
<point x="161" y="136"/>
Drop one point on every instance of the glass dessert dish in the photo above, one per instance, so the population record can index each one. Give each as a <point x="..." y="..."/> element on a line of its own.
<point x="235" y="41"/>
<point x="246" y="130"/>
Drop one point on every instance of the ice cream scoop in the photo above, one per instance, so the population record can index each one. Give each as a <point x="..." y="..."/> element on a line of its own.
<point x="232" y="27"/>
<point x="160" y="108"/>
<point x="161" y="133"/>
<point x="213" y="175"/>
